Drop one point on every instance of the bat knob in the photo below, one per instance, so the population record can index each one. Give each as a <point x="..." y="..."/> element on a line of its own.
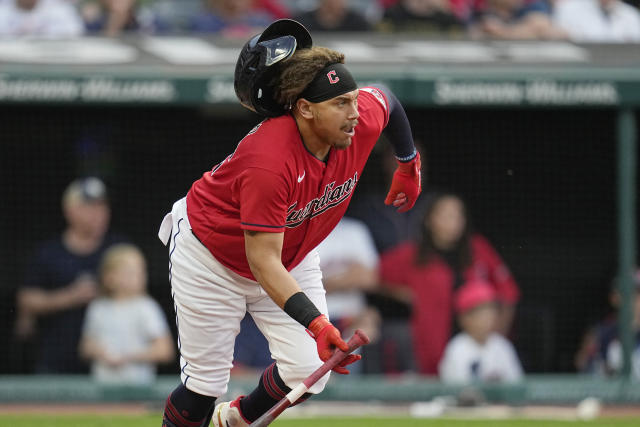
<point x="363" y="338"/>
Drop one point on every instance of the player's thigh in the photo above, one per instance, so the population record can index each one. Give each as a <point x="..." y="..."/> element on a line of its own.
<point x="208" y="314"/>
<point x="291" y="346"/>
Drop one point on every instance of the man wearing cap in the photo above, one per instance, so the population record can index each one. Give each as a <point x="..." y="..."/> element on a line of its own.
<point x="61" y="278"/>
<point x="244" y="237"/>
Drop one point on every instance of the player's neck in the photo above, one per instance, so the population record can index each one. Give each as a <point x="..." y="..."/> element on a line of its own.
<point x="311" y="140"/>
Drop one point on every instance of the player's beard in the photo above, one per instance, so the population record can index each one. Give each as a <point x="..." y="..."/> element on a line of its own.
<point x="342" y="145"/>
<point x="346" y="142"/>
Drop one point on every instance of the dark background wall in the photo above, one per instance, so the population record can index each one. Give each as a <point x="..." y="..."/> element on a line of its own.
<point x="540" y="185"/>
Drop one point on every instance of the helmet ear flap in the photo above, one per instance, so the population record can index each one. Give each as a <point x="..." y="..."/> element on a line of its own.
<point x="244" y="75"/>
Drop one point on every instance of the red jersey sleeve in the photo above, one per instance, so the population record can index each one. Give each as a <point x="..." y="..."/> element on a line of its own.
<point x="263" y="198"/>
<point x="378" y="103"/>
<point x="499" y="273"/>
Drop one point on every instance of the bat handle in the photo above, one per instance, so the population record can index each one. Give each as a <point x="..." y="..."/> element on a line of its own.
<point x="358" y="339"/>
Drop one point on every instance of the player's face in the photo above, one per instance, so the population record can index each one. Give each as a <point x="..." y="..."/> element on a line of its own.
<point x="335" y="119"/>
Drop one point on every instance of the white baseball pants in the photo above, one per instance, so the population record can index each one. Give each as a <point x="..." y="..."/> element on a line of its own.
<point x="210" y="300"/>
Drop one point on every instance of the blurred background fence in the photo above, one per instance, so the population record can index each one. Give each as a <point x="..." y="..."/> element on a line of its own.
<point x="528" y="133"/>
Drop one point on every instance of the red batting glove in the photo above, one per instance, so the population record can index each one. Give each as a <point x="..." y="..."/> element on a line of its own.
<point x="406" y="185"/>
<point x="328" y="339"/>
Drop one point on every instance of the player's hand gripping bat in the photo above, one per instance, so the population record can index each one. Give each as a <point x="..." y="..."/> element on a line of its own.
<point x="358" y="339"/>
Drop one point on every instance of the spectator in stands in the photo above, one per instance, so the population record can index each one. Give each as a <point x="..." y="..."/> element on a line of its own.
<point x="61" y="279"/>
<point x="478" y="353"/>
<point x="349" y="264"/>
<point x="600" y="21"/>
<point x="515" y="20"/>
<point x="428" y="272"/>
<point x="231" y="18"/>
<point x="333" y="15"/>
<point x="162" y="16"/>
<point x="600" y="352"/>
<point x="273" y="7"/>
<point x="42" y="18"/>
<point x="125" y="333"/>
<point x="423" y="16"/>
<point x="114" y="17"/>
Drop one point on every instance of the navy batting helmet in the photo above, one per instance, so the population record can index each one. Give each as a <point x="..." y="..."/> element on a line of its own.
<point x="254" y="66"/>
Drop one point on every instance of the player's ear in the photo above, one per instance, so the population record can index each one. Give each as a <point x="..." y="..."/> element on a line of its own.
<point x="304" y="108"/>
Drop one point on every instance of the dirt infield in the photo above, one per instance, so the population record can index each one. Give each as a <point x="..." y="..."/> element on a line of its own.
<point x="314" y="409"/>
<point x="77" y="409"/>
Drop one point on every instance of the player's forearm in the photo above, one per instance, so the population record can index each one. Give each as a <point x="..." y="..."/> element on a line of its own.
<point x="264" y="252"/>
<point x="264" y="256"/>
<point x="274" y="279"/>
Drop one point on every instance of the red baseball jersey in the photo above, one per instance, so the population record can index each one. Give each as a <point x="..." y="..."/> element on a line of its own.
<point x="272" y="183"/>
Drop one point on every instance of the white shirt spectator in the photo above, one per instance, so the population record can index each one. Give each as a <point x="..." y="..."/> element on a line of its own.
<point x="125" y="327"/>
<point x="615" y="358"/>
<point x="600" y="21"/>
<point x="349" y="243"/>
<point x="48" y="18"/>
<point x="466" y="361"/>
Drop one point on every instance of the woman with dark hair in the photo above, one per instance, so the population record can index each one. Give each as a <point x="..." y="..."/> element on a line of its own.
<point x="428" y="271"/>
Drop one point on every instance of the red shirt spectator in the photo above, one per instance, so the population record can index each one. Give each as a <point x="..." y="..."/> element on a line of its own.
<point x="432" y="284"/>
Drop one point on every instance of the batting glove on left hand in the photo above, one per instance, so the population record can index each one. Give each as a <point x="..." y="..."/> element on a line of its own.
<point x="406" y="185"/>
<point x="328" y="339"/>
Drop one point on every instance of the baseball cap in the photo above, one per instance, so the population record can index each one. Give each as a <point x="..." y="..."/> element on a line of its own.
<point x="472" y="294"/>
<point x="87" y="190"/>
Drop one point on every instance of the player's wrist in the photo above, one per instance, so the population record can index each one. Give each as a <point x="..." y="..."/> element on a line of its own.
<point x="407" y="159"/>
<point x="410" y="166"/>
<point x="318" y="324"/>
<point x="300" y="308"/>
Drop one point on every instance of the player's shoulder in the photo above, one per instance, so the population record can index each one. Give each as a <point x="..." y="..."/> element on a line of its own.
<point x="269" y="136"/>
<point x="373" y="107"/>
<point x="373" y="95"/>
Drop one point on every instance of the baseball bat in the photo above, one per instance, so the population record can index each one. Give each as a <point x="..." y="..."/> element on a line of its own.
<point x="358" y="339"/>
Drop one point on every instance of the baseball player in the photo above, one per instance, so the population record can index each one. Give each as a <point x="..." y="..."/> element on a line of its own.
<point x="244" y="237"/>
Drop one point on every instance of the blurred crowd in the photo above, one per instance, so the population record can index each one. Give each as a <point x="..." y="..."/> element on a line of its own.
<point x="432" y="293"/>
<point x="606" y="21"/>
